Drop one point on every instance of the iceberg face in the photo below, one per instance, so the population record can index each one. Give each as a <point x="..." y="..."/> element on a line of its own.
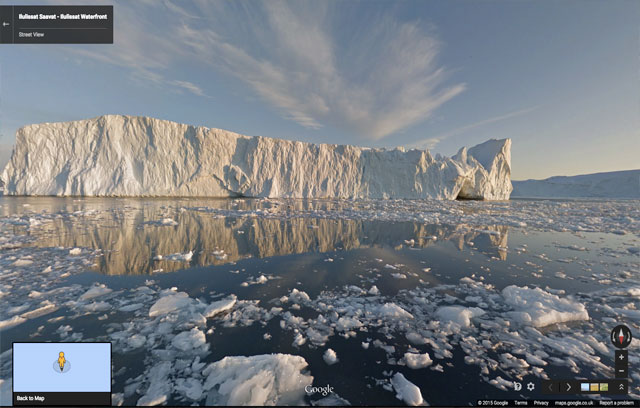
<point x="137" y="156"/>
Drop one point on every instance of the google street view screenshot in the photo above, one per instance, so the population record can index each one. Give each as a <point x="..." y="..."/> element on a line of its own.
<point x="325" y="203"/>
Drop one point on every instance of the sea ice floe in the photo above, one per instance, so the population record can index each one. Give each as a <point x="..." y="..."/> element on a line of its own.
<point x="417" y="361"/>
<point x="258" y="281"/>
<point x="406" y="390"/>
<point x="95" y="291"/>
<point x="22" y="262"/>
<point x="539" y="308"/>
<point x="160" y="387"/>
<point x="188" y="340"/>
<point x="270" y="379"/>
<point x="171" y="302"/>
<point x="220" y="306"/>
<point x="330" y="357"/>
<point x="458" y="314"/>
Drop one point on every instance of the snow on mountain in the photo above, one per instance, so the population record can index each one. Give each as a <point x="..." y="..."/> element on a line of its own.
<point x="117" y="155"/>
<point x="615" y="184"/>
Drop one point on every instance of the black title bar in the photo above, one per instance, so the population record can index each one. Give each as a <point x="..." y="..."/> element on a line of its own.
<point x="56" y="24"/>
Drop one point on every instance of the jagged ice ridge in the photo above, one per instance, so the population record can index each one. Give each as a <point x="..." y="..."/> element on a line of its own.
<point x="117" y="155"/>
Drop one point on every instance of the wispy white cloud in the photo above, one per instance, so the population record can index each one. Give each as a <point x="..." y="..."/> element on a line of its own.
<point x="312" y="61"/>
<point x="373" y="82"/>
<point x="431" y="142"/>
<point x="142" y="46"/>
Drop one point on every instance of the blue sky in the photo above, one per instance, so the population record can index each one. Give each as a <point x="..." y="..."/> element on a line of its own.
<point x="561" y="78"/>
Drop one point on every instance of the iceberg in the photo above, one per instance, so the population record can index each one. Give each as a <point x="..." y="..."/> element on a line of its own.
<point x="129" y="156"/>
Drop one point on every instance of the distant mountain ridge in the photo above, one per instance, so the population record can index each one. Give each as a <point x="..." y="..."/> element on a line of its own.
<point x="614" y="184"/>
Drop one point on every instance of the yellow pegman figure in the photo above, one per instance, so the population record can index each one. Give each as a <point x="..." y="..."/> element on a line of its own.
<point x="61" y="360"/>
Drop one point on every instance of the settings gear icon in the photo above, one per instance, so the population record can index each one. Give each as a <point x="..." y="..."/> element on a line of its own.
<point x="531" y="386"/>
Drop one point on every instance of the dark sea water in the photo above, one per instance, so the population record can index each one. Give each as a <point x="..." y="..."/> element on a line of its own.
<point x="422" y="259"/>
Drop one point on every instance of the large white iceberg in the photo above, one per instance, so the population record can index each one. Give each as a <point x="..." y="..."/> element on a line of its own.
<point x="117" y="155"/>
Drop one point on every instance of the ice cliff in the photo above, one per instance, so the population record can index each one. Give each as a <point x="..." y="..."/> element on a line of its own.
<point x="138" y="156"/>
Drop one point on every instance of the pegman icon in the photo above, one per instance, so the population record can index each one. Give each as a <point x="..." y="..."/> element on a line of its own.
<point x="61" y="360"/>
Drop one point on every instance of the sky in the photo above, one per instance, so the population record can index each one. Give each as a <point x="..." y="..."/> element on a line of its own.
<point x="560" y="78"/>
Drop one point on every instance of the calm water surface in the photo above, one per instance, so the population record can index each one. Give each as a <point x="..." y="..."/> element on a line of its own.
<point x="289" y="244"/>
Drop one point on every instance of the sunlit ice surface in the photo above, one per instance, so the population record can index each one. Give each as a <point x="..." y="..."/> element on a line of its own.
<point x="259" y="301"/>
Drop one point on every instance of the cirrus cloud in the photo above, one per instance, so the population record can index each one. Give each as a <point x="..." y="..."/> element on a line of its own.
<point x="359" y="69"/>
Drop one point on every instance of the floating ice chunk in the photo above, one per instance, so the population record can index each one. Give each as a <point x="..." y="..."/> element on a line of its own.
<point x="501" y="383"/>
<point x="97" y="307"/>
<point x="14" y="321"/>
<point x="299" y="340"/>
<point x="540" y="308"/>
<point x="75" y="251"/>
<point x="416" y="361"/>
<point x="510" y="361"/>
<point x="330" y="357"/>
<point x="387" y="348"/>
<point x="137" y="340"/>
<point x="22" y="262"/>
<point x="458" y="314"/>
<point x="374" y="290"/>
<point x="387" y="266"/>
<point x="399" y="275"/>
<point x="348" y="323"/>
<point x="190" y="388"/>
<point x="17" y="309"/>
<point x="535" y="360"/>
<point x="159" y="385"/>
<point x="364" y="345"/>
<point x="257" y="281"/>
<point x="406" y="390"/>
<point x="130" y="308"/>
<point x="416" y="339"/>
<point x="270" y="379"/>
<point x="298" y="296"/>
<point x="95" y="291"/>
<point x="220" y="306"/>
<point x="393" y="310"/>
<point x="170" y="303"/>
<point x="189" y="340"/>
